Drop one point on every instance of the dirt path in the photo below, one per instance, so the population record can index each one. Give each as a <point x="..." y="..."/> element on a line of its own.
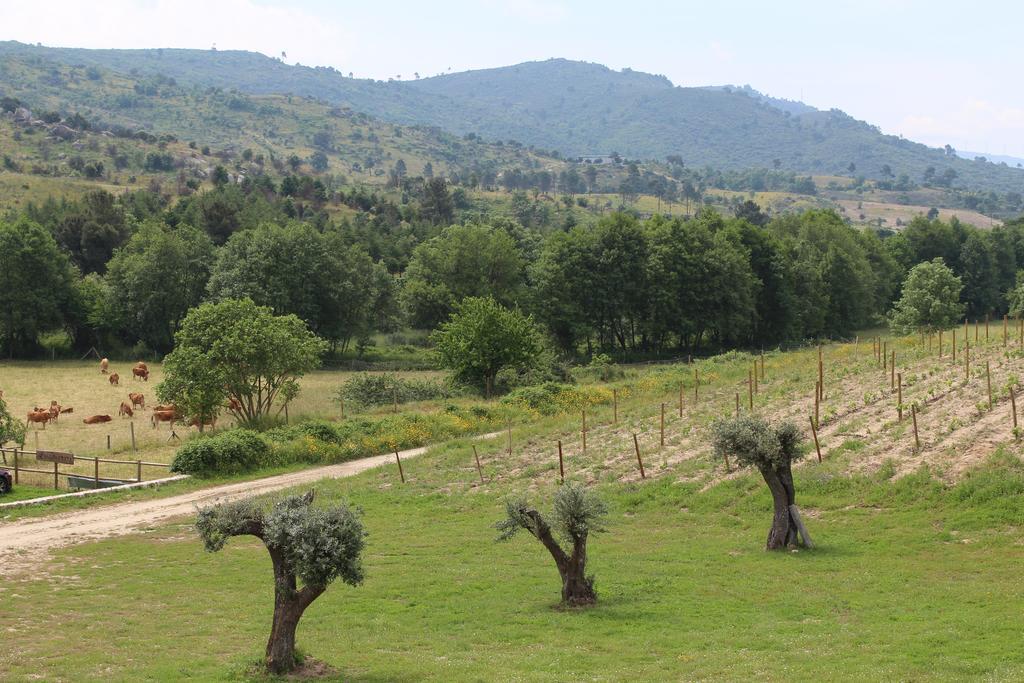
<point x="26" y="542"/>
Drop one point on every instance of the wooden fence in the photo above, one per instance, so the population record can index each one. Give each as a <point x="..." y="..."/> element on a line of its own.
<point x="14" y="459"/>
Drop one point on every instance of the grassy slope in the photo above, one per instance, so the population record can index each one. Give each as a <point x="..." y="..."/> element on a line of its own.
<point x="913" y="578"/>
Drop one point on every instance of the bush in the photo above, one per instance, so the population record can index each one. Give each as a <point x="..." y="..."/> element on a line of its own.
<point x="552" y="398"/>
<point x="376" y="390"/>
<point x="229" y="452"/>
<point x="601" y="368"/>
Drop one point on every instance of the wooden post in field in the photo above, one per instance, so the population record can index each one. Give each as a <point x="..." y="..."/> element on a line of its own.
<point x="976" y="339"/>
<point x="750" y="389"/>
<point x="1013" y="409"/>
<point x="814" y="432"/>
<point x="584" y="432"/>
<point x="1006" y="321"/>
<point x="892" y="371"/>
<point x="342" y="408"/>
<point x="138" y="470"/>
<point x="756" y="388"/>
<point x="399" y="461"/>
<point x="967" y="362"/>
<point x="817" y="398"/>
<point x="108" y="442"/>
<point x="662" y="442"/>
<point x="988" y="383"/>
<point x="899" y="396"/>
<point x="479" y="470"/>
<point x="913" y="414"/>
<point x="615" y="406"/>
<point x="15" y="464"/>
<point x="96" y="471"/>
<point x="561" y="465"/>
<point x="639" y="460"/>
<point x="56" y="474"/>
<point x="737" y="404"/>
<point x="762" y="365"/>
<point x="966" y="331"/>
<point x="885" y="356"/>
<point x="821" y="370"/>
<point x="131" y="428"/>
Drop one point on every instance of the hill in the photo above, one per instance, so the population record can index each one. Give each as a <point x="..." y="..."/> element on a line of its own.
<point x="577" y="109"/>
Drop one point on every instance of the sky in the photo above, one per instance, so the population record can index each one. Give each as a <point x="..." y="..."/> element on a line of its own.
<point x="938" y="72"/>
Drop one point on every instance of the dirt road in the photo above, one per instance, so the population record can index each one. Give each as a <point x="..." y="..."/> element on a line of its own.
<point x="26" y="542"/>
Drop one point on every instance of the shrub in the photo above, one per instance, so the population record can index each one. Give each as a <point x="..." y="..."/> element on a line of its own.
<point x="229" y="452"/>
<point x="376" y="390"/>
<point x="552" y="398"/>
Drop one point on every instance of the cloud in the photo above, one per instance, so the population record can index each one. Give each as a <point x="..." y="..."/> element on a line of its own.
<point x="228" y="24"/>
<point x="976" y="124"/>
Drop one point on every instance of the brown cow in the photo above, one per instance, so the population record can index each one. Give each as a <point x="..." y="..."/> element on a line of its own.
<point x="168" y="416"/>
<point x="137" y="399"/>
<point x="142" y="366"/>
<point x="54" y="411"/>
<point x="208" y="422"/>
<point x="104" y="364"/>
<point x="125" y="410"/>
<point x="114" y="379"/>
<point x="39" y="416"/>
<point x="165" y="406"/>
<point x="234" y="404"/>
<point x="142" y="373"/>
<point x="67" y="410"/>
<point x="97" y="419"/>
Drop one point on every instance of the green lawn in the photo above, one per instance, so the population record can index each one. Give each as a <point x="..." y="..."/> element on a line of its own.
<point x="912" y="580"/>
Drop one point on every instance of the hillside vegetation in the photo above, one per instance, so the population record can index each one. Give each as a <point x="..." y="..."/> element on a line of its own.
<point x="578" y="109"/>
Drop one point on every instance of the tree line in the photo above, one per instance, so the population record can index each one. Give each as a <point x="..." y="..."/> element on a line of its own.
<point x="122" y="272"/>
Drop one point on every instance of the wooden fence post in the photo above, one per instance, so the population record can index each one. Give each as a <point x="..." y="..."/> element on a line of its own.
<point x="762" y="365"/>
<point x="892" y="371"/>
<point x="885" y="355"/>
<point x="479" y="470"/>
<point x="56" y="482"/>
<point x="399" y="461"/>
<point x="737" y="404"/>
<point x="976" y="339"/>
<point x="15" y="464"/>
<point x="1013" y="408"/>
<point x="96" y="471"/>
<point x="757" y="389"/>
<point x="662" y="425"/>
<point x="817" y="397"/>
<point x="131" y="428"/>
<point x="814" y="432"/>
<point x="138" y="470"/>
<point x="913" y="414"/>
<point x="899" y="396"/>
<point x="108" y="442"/>
<point x="342" y="408"/>
<point x="561" y="466"/>
<point x="988" y="383"/>
<point x="639" y="460"/>
<point x="584" y="432"/>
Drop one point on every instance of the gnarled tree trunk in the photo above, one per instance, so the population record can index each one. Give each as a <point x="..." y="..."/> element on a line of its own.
<point x="577" y="588"/>
<point x="289" y="604"/>
<point x="783" y="533"/>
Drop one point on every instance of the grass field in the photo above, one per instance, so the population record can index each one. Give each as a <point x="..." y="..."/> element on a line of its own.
<point x="81" y="385"/>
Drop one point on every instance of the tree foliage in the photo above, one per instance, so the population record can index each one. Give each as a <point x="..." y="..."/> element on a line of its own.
<point x="236" y="349"/>
<point x="483" y="337"/>
<point x="930" y="299"/>
<point x="12" y="430"/>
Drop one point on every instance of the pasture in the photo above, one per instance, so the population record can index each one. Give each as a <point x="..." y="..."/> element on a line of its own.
<point x="80" y="385"/>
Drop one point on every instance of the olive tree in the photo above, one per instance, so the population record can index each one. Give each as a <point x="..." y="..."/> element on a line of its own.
<point x="772" y="449"/>
<point x="237" y="350"/>
<point x="307" y="544"/>
<point x="577" y="513"/>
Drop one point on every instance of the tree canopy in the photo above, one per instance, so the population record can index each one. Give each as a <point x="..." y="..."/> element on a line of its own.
<point x="930" y="299"/>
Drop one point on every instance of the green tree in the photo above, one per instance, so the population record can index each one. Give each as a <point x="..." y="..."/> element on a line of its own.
<point x="978" y="272"/>
<point x="1015" y="296"/>
<point x="308" y="545"/>
<point x="92" y="229"/>
<point x="463" y="261"/>
<point x="236" y="349"/>
<point x="483" y="337"/>
<point x="772" y="449"/>
<point x="12" y="430"/>
<point x="577" y="514"/>
<point x="156" y="278"/>
<point x="436" y="205"/>
<point x="930" y="299"/>
<point x="36" y="285"/>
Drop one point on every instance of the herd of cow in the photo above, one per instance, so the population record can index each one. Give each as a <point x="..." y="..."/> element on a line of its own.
<point x="161" y="413"/>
